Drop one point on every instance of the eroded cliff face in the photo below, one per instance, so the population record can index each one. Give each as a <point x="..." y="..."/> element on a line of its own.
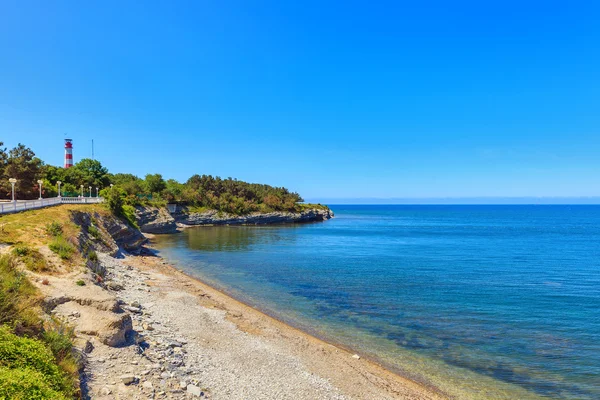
<point x="155" y="220"/>
<point x="279" y="217"/>
<point x="114" y="233"/>
<point x="160" y="220"/>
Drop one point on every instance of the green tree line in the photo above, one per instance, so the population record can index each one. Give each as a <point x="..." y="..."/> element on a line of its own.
<point x="198" y="192"/>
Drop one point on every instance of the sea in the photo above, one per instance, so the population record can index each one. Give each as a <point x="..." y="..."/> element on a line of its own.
<point x="478" y="301"/>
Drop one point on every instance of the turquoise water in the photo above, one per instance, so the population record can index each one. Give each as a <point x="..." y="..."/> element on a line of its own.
<point x="479" y="301"/>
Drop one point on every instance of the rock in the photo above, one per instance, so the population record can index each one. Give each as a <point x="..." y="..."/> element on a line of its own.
<point x="127" y="379"/>
<point x="356" y="356"/>
<point x="88" y="347"/>
<point x="155" y="220"/>
<point x="147" y="385"/>
<point x="194" y="390"/>
<point x="183" y="385"/>
<point x="213" y="217"/>
<point x="174" y="343"/>
<point x="105" y="391"/>
<point x="114" y="286"/>
<point x="147" y="327"/>
<point x="134" y="310"/>
<point x="117" y="331"/>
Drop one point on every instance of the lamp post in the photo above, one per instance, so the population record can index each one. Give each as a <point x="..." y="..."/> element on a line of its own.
<point x="96" y="192"/>
<point x="59" y="182"/>
<point x="111" y="185"/>
<point x="40" y="182"/>
<point x="89" y="187"/>
<point x="81" y="190"/>
<point x="12" y="182"/>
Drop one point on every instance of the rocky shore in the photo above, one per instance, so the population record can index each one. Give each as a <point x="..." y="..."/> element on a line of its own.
<point x="160" y="220"/>
<point x="147" y="331"/>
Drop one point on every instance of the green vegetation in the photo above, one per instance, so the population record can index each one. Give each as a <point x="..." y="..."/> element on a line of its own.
<point x="62" y="247"/>
<point x="36" y="362"/>
<point x="80" y="282"/>
<point x="32" y="258"/>
<point x="94" y="232"/>
<point x="200" y="192"/>
<point x="54" y="229"/>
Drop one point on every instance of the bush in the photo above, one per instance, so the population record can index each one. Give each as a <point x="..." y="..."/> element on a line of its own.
<point x="54" y="229"/>
<point x="129" y="215"/>
<point x="20" y="250"/>
<point x="92" y="256"/>
<point x="80" y="282"/>
<point x="62" y="247"/>
<point x="94" y="232"/>
<point x="28" y="370"/>
<point x="26" y="384"/>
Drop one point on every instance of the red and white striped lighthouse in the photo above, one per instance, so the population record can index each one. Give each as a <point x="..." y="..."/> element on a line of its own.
<point x="68" y="153"/>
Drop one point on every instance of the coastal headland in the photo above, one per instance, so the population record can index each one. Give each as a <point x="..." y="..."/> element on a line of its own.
<point x="144" y="329"/>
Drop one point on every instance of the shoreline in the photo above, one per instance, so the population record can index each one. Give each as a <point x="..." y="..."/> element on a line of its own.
<point x="339" y="363"/>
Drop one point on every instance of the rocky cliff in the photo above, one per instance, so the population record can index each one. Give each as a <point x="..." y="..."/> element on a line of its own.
<point x="159" y="220"/>
<point x="279" y="217"/>
<point x="155" y="220"/>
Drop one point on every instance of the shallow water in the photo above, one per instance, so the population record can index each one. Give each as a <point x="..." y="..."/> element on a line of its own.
<point x="480" y="301"/>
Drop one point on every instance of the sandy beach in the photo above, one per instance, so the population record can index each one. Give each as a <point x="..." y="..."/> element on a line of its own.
<point x="198" y="342"/>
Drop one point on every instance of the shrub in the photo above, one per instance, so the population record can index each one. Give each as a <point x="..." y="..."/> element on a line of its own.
<point x="54" y="229"/>
<point x="62" y="247"/>
<point x="28" y="370"/>
<point x="20" y="250"/>
<point x="94" y="232"/>
<point x="129" y="215"/>
<point x="92" y="256"/>
<point x="80" y="282"/>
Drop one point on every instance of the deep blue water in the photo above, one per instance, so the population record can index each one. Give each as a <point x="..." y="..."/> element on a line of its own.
<point x="480" y="301"/>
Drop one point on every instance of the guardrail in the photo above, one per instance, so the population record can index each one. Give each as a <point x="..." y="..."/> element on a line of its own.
<point x="22" y="205"/>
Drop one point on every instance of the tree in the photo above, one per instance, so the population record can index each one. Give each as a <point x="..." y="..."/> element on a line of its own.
<point x="26" y="168"/>
<point x="155" y="183"/>
<point x="88" y="172"/>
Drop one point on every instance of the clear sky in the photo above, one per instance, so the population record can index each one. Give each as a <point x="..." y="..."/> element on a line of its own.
<point x="331" y="99"/>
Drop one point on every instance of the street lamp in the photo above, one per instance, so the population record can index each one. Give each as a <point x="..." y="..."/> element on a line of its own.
<point x="111" y="185"/>
<point x="81" y="190"/>
<point x="96" y="192"/>
<point x="58" y="182"/>
<point x="89" y="187"/>
<point x="12" y="182"/>
<point x="40" y="182"/>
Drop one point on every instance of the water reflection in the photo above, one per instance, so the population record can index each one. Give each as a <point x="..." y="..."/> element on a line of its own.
<point x="235" y="238"/>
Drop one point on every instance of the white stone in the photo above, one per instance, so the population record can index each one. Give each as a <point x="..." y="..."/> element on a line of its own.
<point x="127" y="379"/>
<point x="194" y="390"/>
<point x="147" y="385"/>
<point x="356" y="356"/>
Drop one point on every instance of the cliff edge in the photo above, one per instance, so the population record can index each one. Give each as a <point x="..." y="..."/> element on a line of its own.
<point x="160" y="220"/>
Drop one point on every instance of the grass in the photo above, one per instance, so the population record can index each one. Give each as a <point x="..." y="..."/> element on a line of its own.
<point x="198" y="209"/>
<point x="94" y="232"/>
<point x="31" y="258"/>
<point x="62" y="247"/>
<point x="54" y="229"/>
<point x="36" y="358"/>
<point x="18" y="297"/>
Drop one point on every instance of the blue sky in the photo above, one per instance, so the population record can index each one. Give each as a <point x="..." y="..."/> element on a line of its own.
<point x="338" y="100"/>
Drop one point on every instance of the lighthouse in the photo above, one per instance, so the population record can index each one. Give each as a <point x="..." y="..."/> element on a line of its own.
<point x="68" y="153"/>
